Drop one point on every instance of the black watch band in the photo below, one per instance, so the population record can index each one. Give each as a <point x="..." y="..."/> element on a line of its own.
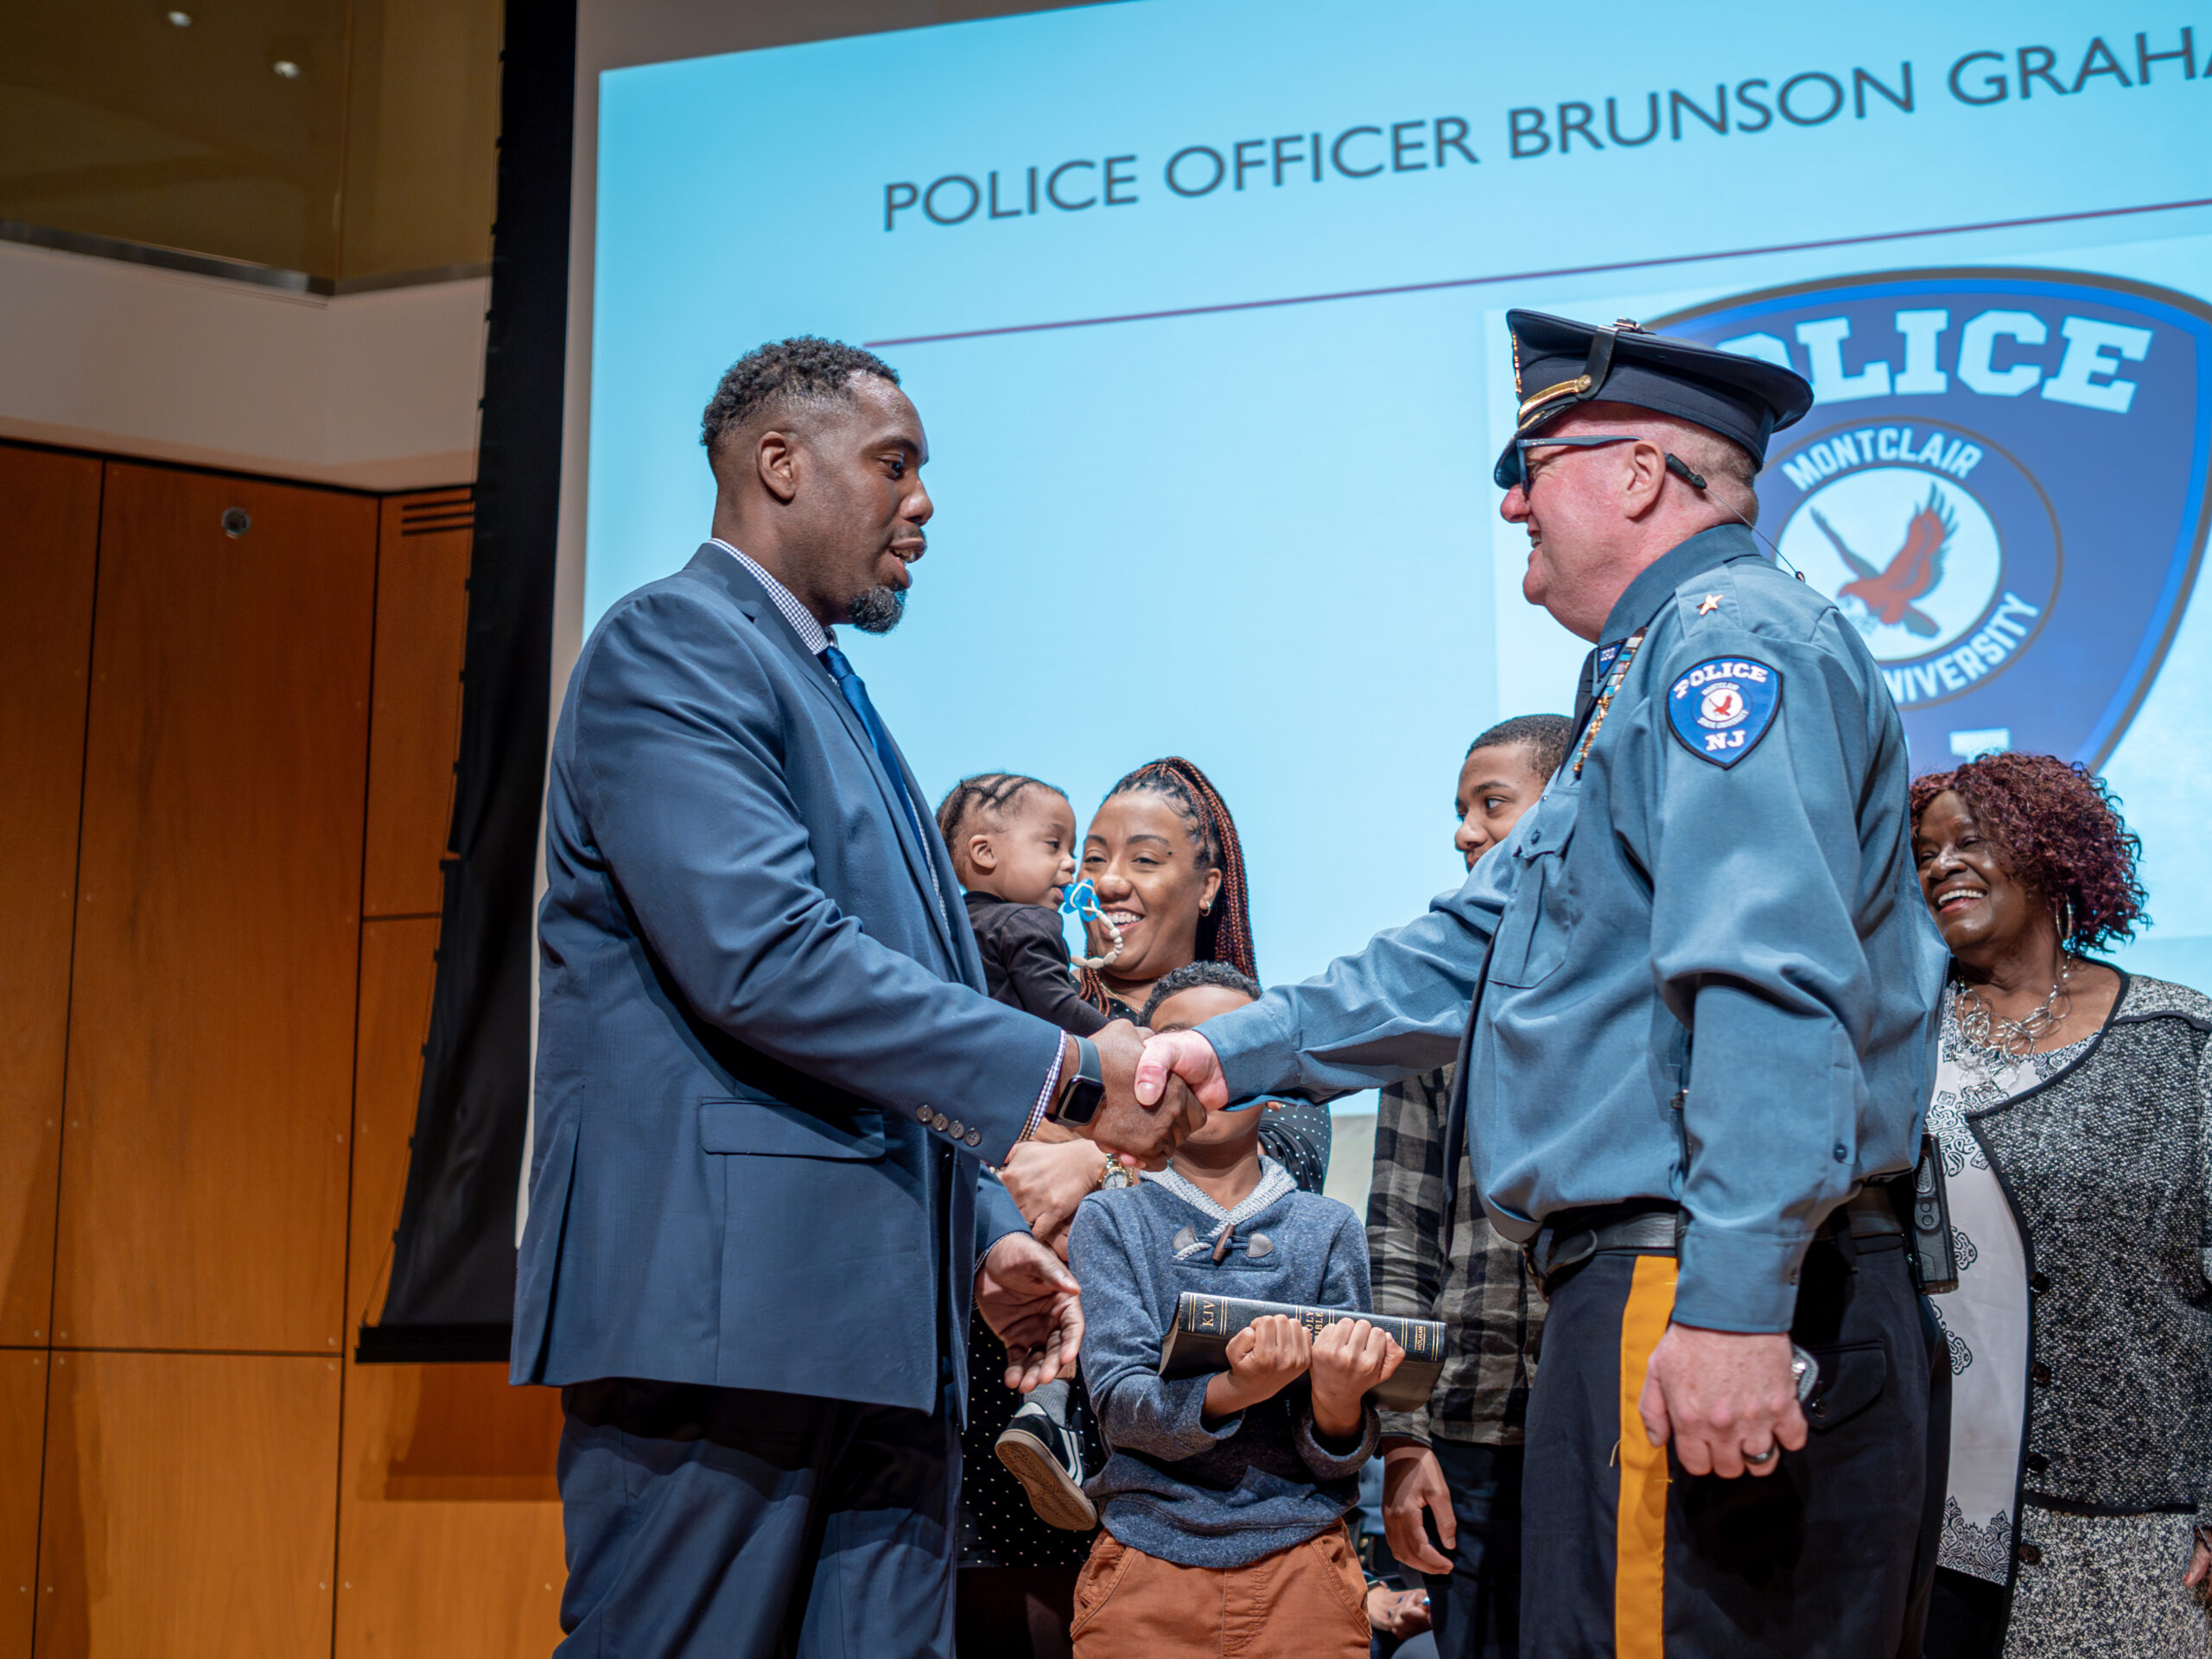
<point x="1077" y="1103"/>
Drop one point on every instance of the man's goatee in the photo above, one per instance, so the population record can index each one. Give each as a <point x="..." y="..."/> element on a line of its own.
<point x="878" y="610"/>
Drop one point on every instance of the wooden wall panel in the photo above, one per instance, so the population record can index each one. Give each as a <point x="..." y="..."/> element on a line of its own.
<point x="48" y="550"/>
<point x="449" y="1523"/>
<point x="398" y="971"/>
<point x="203" y="1186"/>
<point x="190" y="1507"/>
<point x="22" y="1431"/>
<point x="422" y="550"/>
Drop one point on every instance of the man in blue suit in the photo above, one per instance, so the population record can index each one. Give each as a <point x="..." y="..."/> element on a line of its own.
<point x="768" y="1079"/>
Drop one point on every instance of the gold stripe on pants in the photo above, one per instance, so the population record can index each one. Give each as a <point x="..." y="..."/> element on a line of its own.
<point x="1640" y="1552"/>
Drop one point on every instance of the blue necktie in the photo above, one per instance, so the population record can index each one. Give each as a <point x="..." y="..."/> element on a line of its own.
<point x="856" y="694"/>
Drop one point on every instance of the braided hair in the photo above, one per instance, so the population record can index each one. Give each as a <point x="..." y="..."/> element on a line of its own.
<point x="991" y="796"/>
<point x="1224" y="932"/>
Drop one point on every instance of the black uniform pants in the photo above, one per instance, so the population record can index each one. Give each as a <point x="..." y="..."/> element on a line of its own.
<point x="1623" y="1554"/>
<point x="1476" y="1608"/>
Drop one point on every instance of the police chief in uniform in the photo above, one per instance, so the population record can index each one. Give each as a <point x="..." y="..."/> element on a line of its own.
<point x="1703" y="991"/>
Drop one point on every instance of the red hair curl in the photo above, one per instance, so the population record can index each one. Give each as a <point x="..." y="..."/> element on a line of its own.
<point x="2058" y="832"/>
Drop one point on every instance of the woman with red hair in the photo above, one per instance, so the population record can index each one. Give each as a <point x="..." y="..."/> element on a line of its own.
<point x="2073" y="1105"/>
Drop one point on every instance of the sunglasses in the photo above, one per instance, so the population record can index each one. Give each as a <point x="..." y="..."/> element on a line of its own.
<point x="1513" y="466"/>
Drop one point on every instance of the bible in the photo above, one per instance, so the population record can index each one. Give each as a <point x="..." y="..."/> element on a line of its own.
<point x="1198" y="1340"/>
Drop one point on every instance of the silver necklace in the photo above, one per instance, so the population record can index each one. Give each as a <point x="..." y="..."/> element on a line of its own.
<point x="1982" y="1026"/>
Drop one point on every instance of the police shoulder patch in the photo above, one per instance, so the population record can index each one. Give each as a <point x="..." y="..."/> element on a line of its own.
<point x="1722" y="708"/>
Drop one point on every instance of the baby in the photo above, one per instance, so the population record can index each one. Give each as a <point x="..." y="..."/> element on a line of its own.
<point x="1014" y="847"/>
<point x="1012" y="843"/>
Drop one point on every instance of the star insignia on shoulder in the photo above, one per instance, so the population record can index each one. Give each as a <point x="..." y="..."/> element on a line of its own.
<point x="1708" y="605"/>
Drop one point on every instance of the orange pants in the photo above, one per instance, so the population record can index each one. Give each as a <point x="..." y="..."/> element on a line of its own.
<point x="1306" y="1602"/>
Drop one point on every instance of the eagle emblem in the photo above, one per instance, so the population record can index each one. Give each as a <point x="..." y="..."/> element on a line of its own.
<point x="1723" y="706"/>
<point x="1940" y="507"/>
<point x="1912" y="572"/>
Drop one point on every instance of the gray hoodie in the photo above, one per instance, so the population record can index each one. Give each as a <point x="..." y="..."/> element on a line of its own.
<point x="1226" y="1495"/>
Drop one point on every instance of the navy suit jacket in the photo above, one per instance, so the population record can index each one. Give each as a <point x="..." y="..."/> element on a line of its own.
<point x="754" y="1013"/>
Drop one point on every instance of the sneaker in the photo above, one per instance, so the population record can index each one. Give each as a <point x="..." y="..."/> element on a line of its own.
<point x="1046" y="1457"/>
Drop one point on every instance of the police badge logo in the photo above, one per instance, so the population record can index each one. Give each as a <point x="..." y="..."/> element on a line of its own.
<point x="1720" y="708"/>
<point x="2002" y="483"/>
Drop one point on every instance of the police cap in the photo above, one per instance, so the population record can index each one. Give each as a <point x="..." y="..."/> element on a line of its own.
<point x="1557" y="366"/>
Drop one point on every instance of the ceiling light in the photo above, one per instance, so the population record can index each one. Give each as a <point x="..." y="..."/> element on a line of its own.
<point x="181" y="19"/>
<point x="285" y="69"/>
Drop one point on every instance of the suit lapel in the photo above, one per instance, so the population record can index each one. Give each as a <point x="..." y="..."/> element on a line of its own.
<point x="710" y="564"/>
<point x="959" y="936"/>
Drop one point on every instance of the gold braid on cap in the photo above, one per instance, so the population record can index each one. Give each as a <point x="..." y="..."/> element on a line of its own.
<point x="1596" y="370"/>
<point x="1548" y="403"/>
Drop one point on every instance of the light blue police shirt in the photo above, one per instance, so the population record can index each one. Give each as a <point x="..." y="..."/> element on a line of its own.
<point x="1713" y="979"/>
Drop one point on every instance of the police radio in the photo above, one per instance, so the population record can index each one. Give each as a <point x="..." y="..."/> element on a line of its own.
<point x="1935" y="1263"/>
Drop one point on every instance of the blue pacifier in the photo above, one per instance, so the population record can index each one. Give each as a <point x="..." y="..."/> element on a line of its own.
<point x="1082" y="900"/>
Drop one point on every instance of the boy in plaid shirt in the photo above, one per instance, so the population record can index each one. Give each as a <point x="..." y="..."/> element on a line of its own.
<point x="1458" y="1464"/>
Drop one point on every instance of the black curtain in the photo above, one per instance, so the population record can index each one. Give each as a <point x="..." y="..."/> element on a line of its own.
<point x="453" y="1272"/>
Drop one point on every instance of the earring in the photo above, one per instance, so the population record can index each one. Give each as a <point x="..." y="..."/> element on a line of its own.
<point x="1206" y="908"/>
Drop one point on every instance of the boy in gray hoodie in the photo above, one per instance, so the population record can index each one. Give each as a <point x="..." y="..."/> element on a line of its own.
<point x="1224" y="1494"/>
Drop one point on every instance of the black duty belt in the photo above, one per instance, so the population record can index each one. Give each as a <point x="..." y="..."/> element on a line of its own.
<point x="1656" y="1229"/>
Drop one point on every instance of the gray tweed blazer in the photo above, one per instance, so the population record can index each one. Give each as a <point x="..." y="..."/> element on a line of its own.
<point x="2105" y="1166"/>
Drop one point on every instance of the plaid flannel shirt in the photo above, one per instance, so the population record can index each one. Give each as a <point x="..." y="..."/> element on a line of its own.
<point x="1491" y="1310"/>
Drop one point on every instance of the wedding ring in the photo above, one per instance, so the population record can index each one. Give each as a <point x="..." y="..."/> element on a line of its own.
<point x="1767" y="1456"/>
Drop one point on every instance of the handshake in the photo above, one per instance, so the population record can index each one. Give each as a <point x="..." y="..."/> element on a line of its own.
<point x="1159" y="1089"/>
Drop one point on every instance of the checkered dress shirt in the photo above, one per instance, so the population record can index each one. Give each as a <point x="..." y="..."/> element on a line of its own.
<point x="811" y="634"/>
<point x="1491" y="1310"/>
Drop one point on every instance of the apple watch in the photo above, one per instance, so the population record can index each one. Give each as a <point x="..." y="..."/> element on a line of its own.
<point x="1080" y="1093"/>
